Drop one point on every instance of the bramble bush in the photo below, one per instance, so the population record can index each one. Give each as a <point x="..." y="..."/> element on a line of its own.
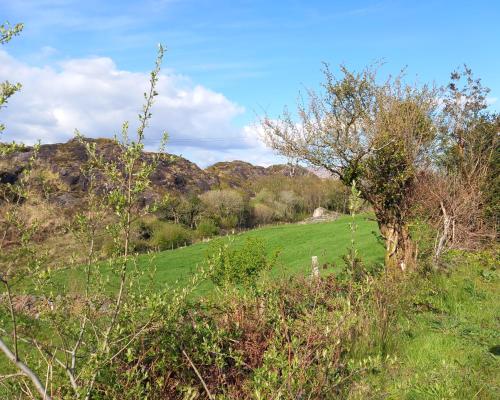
<point x="239" y="265"/>
<point x="293" y="338"/>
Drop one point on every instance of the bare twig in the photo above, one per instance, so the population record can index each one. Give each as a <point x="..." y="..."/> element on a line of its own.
<point x="12" y="317"/>
<point x="25" y="370"/>
<point x="199" y="376"/>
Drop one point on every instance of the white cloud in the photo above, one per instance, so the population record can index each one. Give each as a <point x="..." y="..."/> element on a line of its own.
<point x="491" y="100"/>
<point x="95" y="97"/>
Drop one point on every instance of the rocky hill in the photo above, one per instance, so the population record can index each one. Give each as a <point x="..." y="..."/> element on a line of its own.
<point x="234" y="174"/>
<point x="60" y="168"/>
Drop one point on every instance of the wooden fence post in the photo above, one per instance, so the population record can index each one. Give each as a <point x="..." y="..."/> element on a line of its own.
<point x="315" y="267"/>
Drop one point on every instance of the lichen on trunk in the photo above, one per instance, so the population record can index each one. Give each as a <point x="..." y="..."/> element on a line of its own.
<point x="400" y="251"/>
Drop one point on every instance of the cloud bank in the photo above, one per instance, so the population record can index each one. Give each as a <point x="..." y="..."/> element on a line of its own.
<point x="95" y="97"/>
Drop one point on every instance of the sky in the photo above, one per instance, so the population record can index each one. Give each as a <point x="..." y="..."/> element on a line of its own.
<point x="84" y="64"/>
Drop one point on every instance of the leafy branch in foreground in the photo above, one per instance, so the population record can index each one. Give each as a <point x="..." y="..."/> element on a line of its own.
<point x="90" y="312"/>
<point x="7" y="32"/>
<point x="7" y="89"/>
<point x="128" y="177"/>
<point x="353" y="263"/>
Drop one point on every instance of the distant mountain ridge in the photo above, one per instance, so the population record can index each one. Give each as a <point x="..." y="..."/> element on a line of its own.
<point x="234" y="173"/>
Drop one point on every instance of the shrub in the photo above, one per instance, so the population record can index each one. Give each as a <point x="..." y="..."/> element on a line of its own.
<point x="206" y="228"/>
<point x="240" y="265"/>
<point x="225" y="206"/>
<point x="292" y="203"/>
<point x="143" y="227"/>
<point x="169" y="236"/>
<point x="229" y="222"/>
<point x="263" y="214"/>
<point x="295" y="338"/>
<point x="140" y="246"/>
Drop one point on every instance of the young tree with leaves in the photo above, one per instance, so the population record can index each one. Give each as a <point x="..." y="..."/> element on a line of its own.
<point x="80" y="336"/>
<point x="7" y="89"/>
<point x="376" y="134"/>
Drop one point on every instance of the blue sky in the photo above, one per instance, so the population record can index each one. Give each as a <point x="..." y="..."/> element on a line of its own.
<point x="234" y="59"/>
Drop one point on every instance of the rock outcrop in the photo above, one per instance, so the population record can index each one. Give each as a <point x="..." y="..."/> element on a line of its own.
<point x="236" y="173"/>
<point x="60" y="166"/>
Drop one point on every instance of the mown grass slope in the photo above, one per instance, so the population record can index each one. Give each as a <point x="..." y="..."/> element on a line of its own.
<point x="296" y="243"/>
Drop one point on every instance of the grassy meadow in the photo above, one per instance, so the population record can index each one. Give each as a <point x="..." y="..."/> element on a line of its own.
<point x="447" y="346"/>
<point x="296" y="244"/>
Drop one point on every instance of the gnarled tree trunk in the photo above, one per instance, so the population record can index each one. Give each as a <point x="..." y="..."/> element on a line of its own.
<point x="446" y="235"/>
<point x="400" y="252"/>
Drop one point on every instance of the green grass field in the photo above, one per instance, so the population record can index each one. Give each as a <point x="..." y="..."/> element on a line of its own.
<point x="296" y="243"/>
<point x="448" y="344"/>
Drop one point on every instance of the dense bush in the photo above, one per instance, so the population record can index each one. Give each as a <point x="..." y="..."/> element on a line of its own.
<point x="226" y="207"/>
<point x="239" y="265"/>
<point x="263" y="214"/>
<point x="180" y="209"/>
<point x="295" y="338"/>
<point x="206" y="228"/>
<point x="169" y="236"/>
